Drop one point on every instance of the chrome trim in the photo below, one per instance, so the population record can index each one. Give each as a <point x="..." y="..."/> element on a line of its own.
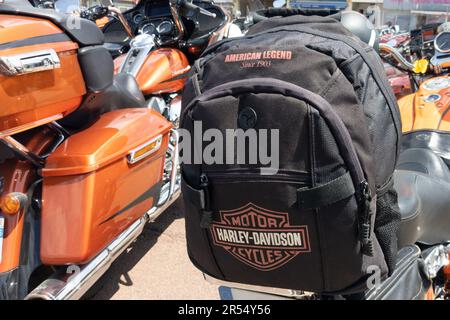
<point x="436" y="260"/>
<point x="130" y="156"/>
<point x="175" y="111"/>
<point x="141" y="46"/>
<point x="15" y="145"/>
<point x="142" y="28"/>
<point x="158" y="28"/>
<point x="178" y="22"/>
<point x="175" y="162"/>
<point x="429" y="98"/>
<point x="28" y="126"/>
<point x="373" y="38"/>
<point x="436" y="47"/>
<point x="298" y="294"/>
<point x="437" y="60"/>
<point x="29" y="62"/>
<point x="397" y="56"/>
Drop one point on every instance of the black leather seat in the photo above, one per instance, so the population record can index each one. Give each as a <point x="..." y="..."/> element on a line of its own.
<point x="82" y="31"/>
<point x="106" y="91"/>
<point x="123" y="93"/>
<point x="422" y="181"/>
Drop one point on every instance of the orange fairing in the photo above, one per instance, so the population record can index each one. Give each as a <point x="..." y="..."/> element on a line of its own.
<point x="14" y="28"/>
<point x="32" y="99"/>
<point x="427" y="109"/>
<point x="406" y="106"/>
<point x="92" y="192"/>
<point x="164" y="71"/>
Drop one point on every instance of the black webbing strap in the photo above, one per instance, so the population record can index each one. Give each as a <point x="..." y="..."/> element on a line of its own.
<point x="326" y="194"/>
<point x="286" y="12"/>
<point x="196" y="196"/>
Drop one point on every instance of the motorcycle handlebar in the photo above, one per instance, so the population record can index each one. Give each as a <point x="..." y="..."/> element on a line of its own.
<point x="97" y="12"/>
<point x="397" y="56"/>
<point x="122" y="20"/>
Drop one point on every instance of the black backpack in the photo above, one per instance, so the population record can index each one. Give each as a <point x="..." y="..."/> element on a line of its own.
<point x="327" y="220"/>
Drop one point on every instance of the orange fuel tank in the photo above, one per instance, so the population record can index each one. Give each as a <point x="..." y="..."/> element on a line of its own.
<point x="31" y="97"/>
<point x="427" y="109"/>
<point x="99" y="181"/>
<point x="164" y="71"/>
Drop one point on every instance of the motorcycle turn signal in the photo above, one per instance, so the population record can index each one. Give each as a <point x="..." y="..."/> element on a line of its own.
<point x="12" y="203"/>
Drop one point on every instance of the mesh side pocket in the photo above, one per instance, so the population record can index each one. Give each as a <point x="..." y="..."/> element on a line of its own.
<point x="387" y="224"/>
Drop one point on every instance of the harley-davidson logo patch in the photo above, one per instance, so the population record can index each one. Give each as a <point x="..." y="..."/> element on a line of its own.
<point x="260" y="238"/>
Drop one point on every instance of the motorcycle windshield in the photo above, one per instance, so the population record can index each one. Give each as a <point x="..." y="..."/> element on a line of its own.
<point x="67" y="6"/>
<point x="411" y="15"/>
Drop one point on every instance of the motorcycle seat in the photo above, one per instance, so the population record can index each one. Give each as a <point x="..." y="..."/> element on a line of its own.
<point x="422" y="181"/>
<point x="424" y="161"/>
<point x="106" y="91"/>
<point x="123" y="93"/>
<point x="82" y="31"/>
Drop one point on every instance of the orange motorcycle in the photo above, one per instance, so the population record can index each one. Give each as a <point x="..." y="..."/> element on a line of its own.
<point x="84" y="162"/>
<point x="157" y="42"/>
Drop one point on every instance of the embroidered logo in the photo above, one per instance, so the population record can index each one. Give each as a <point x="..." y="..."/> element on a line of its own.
<point x="260" y="238"/>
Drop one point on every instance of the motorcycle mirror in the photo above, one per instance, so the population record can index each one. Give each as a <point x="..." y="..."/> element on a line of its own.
<point x="361" y="27"/>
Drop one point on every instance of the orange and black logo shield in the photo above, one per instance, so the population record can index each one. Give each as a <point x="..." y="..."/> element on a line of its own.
<point x="261" y="238"/>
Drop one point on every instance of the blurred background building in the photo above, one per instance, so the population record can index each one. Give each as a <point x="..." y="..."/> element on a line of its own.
<point x="408" y="14"/>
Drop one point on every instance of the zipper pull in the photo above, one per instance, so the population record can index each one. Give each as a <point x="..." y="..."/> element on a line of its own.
<point x="365" y="232"/>
<point x="206" y="213"/>
<point x="204" y="181"/>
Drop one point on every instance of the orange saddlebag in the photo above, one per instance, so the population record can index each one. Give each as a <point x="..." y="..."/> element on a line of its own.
<point x="99" y="181"/>
<point x="36" y="94"/>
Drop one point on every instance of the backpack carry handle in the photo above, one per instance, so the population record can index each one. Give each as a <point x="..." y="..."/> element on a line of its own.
<point x="287" y="12"/>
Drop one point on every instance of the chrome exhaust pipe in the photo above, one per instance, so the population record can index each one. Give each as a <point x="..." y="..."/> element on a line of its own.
<point x="68" y="286"/>
<point x="75" y="280"/>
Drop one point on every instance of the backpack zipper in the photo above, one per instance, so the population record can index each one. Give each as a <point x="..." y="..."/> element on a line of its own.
<point x="285" y="176"/>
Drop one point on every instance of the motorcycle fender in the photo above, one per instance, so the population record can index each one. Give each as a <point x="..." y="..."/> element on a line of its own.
<point x="100" y="181"/>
